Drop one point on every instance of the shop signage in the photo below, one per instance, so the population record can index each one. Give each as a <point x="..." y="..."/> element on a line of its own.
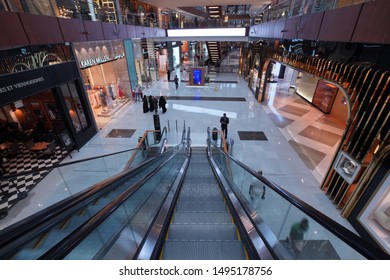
<point x="21" y="85"/>
<point x="93" y="61"/>
<point x="163" y="12"/>
<point x="118" y="56"/>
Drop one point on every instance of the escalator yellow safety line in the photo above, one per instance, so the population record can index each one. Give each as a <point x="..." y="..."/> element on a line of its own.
<point x="65" y="223"/>
<point x="82" y="212"/>
<point x="40" y="241"/>
<point x="167" y="234"/>
<point x="239" y="238"/>
<point x="238" y="233"/>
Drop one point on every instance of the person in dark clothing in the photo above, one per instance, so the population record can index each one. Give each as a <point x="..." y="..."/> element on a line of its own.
<point x="40" y="126"/>
<point x="162" y="103"/>
<point x="145" y="104"/>
<point x="297" y="233"/>
<point x="224" y="124"/>
<point x="169" y="75"/>
<point x="155" y="104"/>
<point x="151" y="108"/>
<point x="176" y="80"/>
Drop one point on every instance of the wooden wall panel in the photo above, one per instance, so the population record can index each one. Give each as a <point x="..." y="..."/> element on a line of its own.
<point x="139" y="32"/>
<point x="278" y="29"/>
<point x="292" y="28"/>
<point x="131" y="33"/>
<point x="373" y="23"/>
<point x="72" y="30"/>
<point x="269" y="29"/>
<point x="310" y="26"/>
<point x="109" y="31"/>
<point x="147" y="32"/>
<point x="12" y="31"/>
<point x="121" y="30"/>
<point x="94" y="30"/>
<point x="338" y="24"/>
<point x="41" y="29"/>
<point x="161" y="32"/>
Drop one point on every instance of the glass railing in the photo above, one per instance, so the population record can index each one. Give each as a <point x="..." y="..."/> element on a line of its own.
<point x="35" y="235"/>
<point x="117" y="231"/>
<point x="152" y="143"/>
<point x="57" y="182"/>
<point x="290" y="228"/>
<point x="292" y="8"/>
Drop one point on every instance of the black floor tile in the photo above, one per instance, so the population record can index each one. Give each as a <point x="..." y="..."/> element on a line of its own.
<point x="252" y="135"/>
<point x="121" y="133"/>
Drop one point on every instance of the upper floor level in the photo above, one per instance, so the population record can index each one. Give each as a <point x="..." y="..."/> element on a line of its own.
<point x="25" y="22"/>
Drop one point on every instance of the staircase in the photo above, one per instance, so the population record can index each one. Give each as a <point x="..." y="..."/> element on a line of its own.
<point x="214" y="50"/>
<point x="202" y="227"/>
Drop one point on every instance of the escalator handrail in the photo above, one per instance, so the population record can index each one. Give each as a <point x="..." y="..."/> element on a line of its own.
<point x="141" y="143"/>
<point x="65" y="246"/>
<point x="363" y="247"/>
<point x="151" y="244"/>
<point x="25" y="226"/>
<point x="250" y="236"/>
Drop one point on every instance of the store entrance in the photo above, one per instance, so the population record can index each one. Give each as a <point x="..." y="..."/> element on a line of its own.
<point x="36" y="117"/>
<point x="108" y="89"/>
<point x="28" y="138"/>
<point x="315" y="134"/>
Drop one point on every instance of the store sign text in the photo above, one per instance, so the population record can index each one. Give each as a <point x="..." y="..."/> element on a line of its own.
<point x="21" y="85"/>
<point x="118" y="56"/>
<point x="93" y="61"/>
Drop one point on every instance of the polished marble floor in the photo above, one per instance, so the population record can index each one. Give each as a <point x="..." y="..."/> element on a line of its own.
<point x="300" y="144"/>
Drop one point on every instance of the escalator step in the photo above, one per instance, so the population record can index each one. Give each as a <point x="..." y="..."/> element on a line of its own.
<point x="198" y="195"/>
<point x="203" y="250"/>
<point x="202" y="232"/>
<point x="202" y="217"/>
<point x="204" y="207"/>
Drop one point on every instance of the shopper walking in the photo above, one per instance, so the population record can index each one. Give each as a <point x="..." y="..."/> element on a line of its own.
<point x="155" y="104"/>
<point x="151" y="108"/>
<point x="176" y="80"/>
<point x="169" y="75"/>
<point x="224" y="124"/>
<point x="297" y="233"/>
<point x="138" y="93"/>
<point x="256" y="190"/>
<point x="145" y="104"/>
<point x="162" y="103"/>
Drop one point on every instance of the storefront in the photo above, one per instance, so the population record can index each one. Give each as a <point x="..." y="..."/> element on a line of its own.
<point x="42" y="96"/>
<point x="143" y="62"/>
<point x="371" y="216"/>
<point x="324" y="95"/>
<point x="105" y="76"/>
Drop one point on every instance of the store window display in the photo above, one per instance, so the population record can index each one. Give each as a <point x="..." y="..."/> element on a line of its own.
<point x="382" y="215"/>
<point x="375" y="216"/>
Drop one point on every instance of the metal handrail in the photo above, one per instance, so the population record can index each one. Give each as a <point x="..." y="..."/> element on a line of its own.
<point x="142" y="143"/>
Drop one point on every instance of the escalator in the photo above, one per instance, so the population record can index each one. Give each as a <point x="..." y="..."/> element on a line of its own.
<point x="202" y="227"/>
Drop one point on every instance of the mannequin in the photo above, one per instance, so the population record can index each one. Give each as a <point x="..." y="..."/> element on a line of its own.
<point x="120" y="91"/>
<point x="102" y="97"/>
<point x="111" y="90"/>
